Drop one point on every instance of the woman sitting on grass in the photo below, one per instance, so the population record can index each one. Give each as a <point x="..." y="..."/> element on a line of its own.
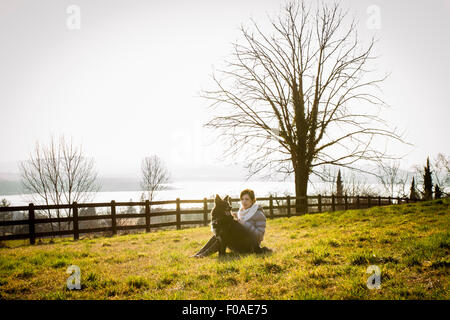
<point x="250" y="215"/>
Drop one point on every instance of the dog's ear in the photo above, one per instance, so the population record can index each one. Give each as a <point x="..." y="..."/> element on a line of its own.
<point x="227" y="198"/>
<point x="217" y="199"/>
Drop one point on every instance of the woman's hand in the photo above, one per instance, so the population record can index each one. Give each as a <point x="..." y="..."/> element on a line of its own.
<point x="234" y="215"/>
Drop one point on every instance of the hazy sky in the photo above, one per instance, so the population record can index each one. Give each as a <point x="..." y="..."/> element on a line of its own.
<point x="125" y="84"/>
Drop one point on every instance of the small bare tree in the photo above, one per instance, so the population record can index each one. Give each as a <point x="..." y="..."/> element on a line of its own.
<point x="391" y="178"/>
<point x="441" y="170"/>
<point x="155" y="176"/>
<point x="357" y="185"/>
<point x="354" y="183"/>
<point x="58" y="173"/>
<point x="129" y="221"/>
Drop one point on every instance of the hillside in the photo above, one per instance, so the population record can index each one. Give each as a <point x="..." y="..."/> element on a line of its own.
<point x="316" y="256"/>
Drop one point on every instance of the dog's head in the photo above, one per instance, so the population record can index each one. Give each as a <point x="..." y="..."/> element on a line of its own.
<point x="222" y="207"/>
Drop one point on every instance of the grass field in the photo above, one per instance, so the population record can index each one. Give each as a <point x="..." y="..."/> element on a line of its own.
<point x="316" y="256"/>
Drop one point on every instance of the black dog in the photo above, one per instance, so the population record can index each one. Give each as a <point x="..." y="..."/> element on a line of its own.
<point x="230" y="232"/>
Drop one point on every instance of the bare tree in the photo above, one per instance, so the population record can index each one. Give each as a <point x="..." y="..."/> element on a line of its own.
<point x="354" y="183"/>
<point x="298" y="98"/>
<point x="392" y="179"/>
<point x="441" y="170"/>
<point x="154" y="176"/>
<point x="59" y="174"/>
<point x="129" y="221"/>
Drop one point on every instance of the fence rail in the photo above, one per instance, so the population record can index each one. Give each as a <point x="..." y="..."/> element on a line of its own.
<point x="285" y="209"/>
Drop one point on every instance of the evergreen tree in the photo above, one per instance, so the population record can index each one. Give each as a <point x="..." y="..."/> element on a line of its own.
<point x="427" y="182"/>
<point x="4" y="203"/>
<point x="339" y="187"/>
<point x="131" y="209"/>
<point x="413" y="192"/>
<point x="142" y="210"/>
<point x="437" y="192"/>
<point x="6" y="216"/>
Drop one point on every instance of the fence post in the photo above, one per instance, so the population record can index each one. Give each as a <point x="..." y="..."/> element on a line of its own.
<point x="407" y="199"/>
<point x="398" y="200"/>
<point x="205" y="211"/>
<point x="369" y="204"/>
<point x="379" y="201"/>
<point x="76" y="234"/>
<point x="333" y="203"/>
<point x="288" y="205"/>
<point x="271" y="206"/>
<point x="113" y="218"/>
<point x="357" y="202"/>
<point x="346" y="202"/>
<point x="307" y="205"/>
<point x="178" y="215"/>
<point x="31" y="224"/>
<point x="389" y="200"/>
<point x="147" y="216"/>
<point x="319" y="200"/>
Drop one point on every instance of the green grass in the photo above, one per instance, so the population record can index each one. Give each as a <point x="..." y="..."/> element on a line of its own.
<point x="316" y="256"/>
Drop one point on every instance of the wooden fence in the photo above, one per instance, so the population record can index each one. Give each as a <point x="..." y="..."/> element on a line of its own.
<point x="283" y="207"/>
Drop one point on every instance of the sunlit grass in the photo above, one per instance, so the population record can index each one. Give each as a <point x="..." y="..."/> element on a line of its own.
<point x="316" y="256"/>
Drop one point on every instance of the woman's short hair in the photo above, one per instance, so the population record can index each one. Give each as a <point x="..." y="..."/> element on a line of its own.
<point x="250" y="193"/>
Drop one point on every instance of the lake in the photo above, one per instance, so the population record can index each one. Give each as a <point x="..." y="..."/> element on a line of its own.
<point x="192" y="190"/>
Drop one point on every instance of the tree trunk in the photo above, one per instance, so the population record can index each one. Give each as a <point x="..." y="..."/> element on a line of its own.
<point x="301" y="190"/>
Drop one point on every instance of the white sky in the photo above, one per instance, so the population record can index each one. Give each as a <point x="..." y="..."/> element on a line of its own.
<point x="125" y="84"/>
